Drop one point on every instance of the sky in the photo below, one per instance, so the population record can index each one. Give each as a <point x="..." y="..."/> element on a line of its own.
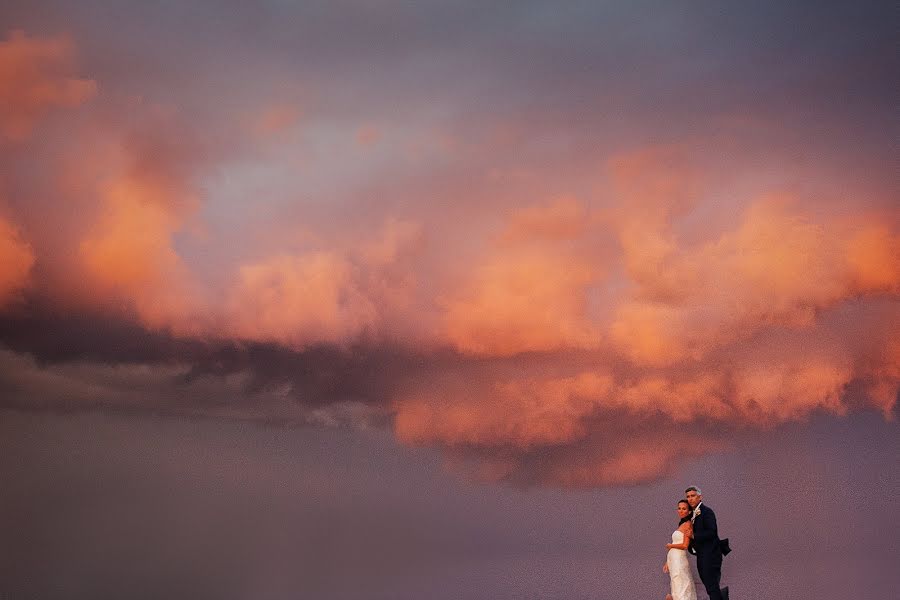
<point x="448" y="300"/>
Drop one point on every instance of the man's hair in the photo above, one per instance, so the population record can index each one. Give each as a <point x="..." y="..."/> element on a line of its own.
<point x="694" y="488"/>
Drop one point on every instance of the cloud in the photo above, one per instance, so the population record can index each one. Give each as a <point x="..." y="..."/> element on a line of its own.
<point x="100" y="224"/>
<point x="327" y="296"/>
<point x="530" y="292"/>
<point x="640" y="457"/>
<point x="777" y="268"/>
<point x="276" y="119"/>
<point x="570" y="432"/>
<point x="127" y="254"/>
<point x="736" y="329"/>
<point x="207" y="382"/>
<point x="523" y="301"/>
<point x="36" y="76"/>
<point x="535" y="368"/>
<point x="532" y="424"/>
<point x="297" y="300"/>
<point x="609" y="425"/>
<point x="520" y="413"/>
<point x="540" y="308"/>
<point x="565" y="218"/>
<point x="785" y="392"/>
<point x="16" y="260"/>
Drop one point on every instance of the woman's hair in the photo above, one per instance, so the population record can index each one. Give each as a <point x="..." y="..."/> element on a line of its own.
<point x="688" y="517"/>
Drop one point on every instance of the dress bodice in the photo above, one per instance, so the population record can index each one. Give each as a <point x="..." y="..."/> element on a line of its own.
<point x="677" y="537"/>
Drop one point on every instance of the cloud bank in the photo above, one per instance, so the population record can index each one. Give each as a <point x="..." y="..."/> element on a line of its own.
<point x="543" y="312"/>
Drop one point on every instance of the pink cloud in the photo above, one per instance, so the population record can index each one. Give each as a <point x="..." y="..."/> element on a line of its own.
<point x="16" y="261"/>
<point x="560" y="342"/>
<point x="778" y="268"/>
<point x="298" y="300"/>
<point x="518" y="413"/>
<point x="276" y="119"/>
<point x="523" y="301"/>
<point x="564" y="218"/>
<point x="332" y="295"/>
<point x="530" y="292"/>
<point x="128" y="254"/>
<point x="36" y="76"/>
<point x="640" y="457"/>
<point x="728" y="331"/>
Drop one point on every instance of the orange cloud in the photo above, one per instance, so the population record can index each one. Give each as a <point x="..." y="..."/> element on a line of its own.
<point x="330" y="296"/>
<point x="583" y="430"/>
<point x="597" y="428"/>
<point x="776" y="269"/>
<point x="531" y="293"/>
<point x="128" y="253"/>
<point x="607" y="425"/>
<point x="563" y="219"/>
<point x="872" y="254"/>
<point x="877" y="363"/>
<point x="300" y="300"/>
<point x="651" y="186"/>
<point x="530" y="412"/>
<point x="16" y="260"/>
<point x="655" y="182"/>
<point x="639" y="457"/>
<point x="276" y="119"/>
<point x="725" y="332"/>
<point x="523" y="301"/>
<point x="397" y="238"/>
<point x="681" y="399"/>
<point x="392" y="280"/>
<point x="36" y="75"/>
<point x="556" y="374"/>
<point x="789" y="391"/>
<point x="521" y="413"/>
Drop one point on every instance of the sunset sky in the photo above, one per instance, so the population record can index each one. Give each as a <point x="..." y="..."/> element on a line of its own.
<point x="450" y="300"/>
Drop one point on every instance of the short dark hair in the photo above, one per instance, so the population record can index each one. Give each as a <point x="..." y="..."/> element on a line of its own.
<point x="694" y="488"/>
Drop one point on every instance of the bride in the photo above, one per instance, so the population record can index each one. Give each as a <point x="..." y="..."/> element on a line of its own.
<point x="677" y="565"/>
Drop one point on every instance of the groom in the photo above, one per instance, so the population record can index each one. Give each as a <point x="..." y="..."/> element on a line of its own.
<point x="706" y="544"/>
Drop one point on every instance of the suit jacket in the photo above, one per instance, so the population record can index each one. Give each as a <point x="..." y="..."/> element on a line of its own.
<point x="705" y="543"/>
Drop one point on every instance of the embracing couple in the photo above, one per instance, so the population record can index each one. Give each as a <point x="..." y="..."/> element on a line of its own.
<point x="698" y="534"/>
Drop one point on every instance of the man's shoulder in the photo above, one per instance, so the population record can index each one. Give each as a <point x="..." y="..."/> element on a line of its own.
<point x="706" y="511"/>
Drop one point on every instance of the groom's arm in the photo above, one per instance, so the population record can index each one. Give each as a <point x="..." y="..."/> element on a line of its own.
<point x="708" y="530"/>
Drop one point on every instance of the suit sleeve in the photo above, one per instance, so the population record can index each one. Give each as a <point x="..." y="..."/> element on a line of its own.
<point x="708" y="529"/>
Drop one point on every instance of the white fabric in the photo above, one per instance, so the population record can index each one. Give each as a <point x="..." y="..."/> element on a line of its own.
<point x="680" y="571"/>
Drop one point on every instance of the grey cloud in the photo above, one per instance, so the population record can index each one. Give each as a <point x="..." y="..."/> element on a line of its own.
<point x="702" y="55"/>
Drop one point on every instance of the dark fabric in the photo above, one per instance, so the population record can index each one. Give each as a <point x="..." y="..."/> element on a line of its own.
<point x="708" y="548"/>
<point x="711" y="574"/>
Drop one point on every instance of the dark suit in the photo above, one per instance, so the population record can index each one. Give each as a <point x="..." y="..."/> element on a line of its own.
<point x="707" y="546"/>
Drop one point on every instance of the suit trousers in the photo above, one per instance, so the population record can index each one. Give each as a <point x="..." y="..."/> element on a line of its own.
<point x="710" y="569"/>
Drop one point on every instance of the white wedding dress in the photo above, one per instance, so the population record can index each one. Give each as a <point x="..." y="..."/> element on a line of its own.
<point x="680" y="571"/>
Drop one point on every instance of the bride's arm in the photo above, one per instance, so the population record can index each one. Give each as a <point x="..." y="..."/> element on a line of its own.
<point x="687" y="539"/>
